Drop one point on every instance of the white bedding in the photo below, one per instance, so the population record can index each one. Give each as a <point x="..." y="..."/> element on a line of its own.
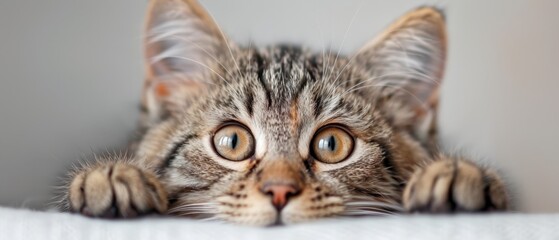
<point x="26" y="224"/>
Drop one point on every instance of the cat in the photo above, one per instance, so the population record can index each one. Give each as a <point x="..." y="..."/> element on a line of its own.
<point x="281" y="134"/>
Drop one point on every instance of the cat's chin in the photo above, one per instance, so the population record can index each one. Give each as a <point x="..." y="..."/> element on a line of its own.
<point x="256" y="220"/>
<point x="266" y="221"/>
<point x="281" y="218"/>
<point x="269" y="219"/>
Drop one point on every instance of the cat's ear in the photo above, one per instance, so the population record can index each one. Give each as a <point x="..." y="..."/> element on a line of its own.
<point x="182" y="45"/>
<point x="405" y="65"/>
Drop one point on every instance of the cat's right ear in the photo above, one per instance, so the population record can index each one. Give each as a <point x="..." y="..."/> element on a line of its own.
<point x="182" y="44"/>
<point x="405" y="65"/>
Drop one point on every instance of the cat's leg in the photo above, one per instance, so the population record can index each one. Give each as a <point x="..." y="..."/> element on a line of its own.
<point x="450" y="185"/>
<point x="116" y="189"/>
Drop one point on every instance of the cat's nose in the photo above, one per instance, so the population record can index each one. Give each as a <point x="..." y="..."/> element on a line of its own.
<point x="280" y="193"/>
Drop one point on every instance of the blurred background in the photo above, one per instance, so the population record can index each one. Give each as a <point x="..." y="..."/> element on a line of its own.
<point x="71" y="74"/>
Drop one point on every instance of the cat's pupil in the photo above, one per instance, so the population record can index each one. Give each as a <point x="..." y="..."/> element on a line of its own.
<point x="233" y="141"/>
<point x="328" y="143"/>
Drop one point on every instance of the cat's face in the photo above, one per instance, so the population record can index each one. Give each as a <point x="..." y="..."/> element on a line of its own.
<point x="281" y="134"/>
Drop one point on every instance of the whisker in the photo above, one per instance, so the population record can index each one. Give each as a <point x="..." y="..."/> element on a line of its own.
<point x="199" y="63"/>
<point x="201" y="204"/>
<point x="227" y="44"/>
<point x="343" y="40"/>
<point x="372" y="204"/>
<point x="213" y="218"/>
<point x="191" y="208"/>
<point x="209" y="54"/>
<point x="317" y="22"/>
<point x="193" y="213"/>
<point x="363" y="82"/>
<point x="371" y="209"/>
<point x="386" y="209"/>
<point x="422" y="104"/>
<point x="361" y="214"/>
<point x="365" y="213"/>
<point x="185" y="209"/>
<point x="379" y="208"/>
<point x="367" y="204"/>
<point x="206" y="208"/>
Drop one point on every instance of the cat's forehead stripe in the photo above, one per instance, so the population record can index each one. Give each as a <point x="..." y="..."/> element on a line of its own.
<point x="281" y="72"/>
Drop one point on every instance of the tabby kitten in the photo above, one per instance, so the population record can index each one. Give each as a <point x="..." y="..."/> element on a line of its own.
<point x="280" y="134"/>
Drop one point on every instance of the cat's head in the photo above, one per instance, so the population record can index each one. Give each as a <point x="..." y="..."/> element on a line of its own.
<point x="280" y="134"/>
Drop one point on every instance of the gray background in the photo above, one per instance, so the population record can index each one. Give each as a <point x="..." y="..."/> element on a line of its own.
<point x="71" y="75"/>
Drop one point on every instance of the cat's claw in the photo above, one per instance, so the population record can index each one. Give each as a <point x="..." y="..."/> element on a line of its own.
<point x="454" y="186"/>
<point x="116" y="190"/>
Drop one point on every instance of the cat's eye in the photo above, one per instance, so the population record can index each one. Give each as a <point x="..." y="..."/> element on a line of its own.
<point x="234" y="142"/>
<point x="332" y="144"/>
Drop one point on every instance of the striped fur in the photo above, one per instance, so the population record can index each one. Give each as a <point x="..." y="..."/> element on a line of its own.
<point x="385" y="95"/>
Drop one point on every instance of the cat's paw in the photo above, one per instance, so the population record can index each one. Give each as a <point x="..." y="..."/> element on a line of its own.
<point x="454" y="185"/>
<point x="116" y="190"/>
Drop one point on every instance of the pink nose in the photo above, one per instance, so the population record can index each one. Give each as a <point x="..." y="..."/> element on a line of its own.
<point x="280" y="193"/>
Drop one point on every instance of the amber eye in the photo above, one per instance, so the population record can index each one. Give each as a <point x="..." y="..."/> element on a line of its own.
<point x="234" y="142"/>
<point x="332" y="145"/>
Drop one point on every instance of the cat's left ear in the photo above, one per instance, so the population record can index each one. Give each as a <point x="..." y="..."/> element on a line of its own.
<point x="183" y="47"/>
<point x="405" y="65"/>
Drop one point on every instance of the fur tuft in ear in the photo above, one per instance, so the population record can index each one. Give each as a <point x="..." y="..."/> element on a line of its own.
<point x="182" y="53"/>
<point x="405" y="65"/>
